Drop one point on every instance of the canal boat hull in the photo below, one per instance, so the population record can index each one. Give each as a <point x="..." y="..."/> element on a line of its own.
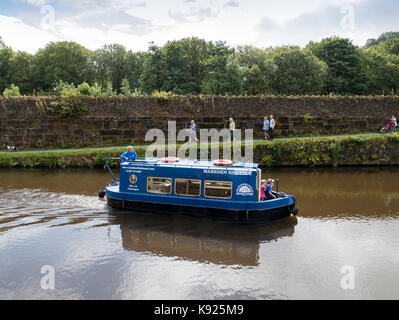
<point x="240" y="216"/>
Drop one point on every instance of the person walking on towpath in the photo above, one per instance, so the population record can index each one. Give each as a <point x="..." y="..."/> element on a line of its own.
<point x="266" y="124"/>
<point x="271" y="128"/>
<point x="232" y="127"/>
<point x="394" y="124"/>
<point x="193" y="132"/>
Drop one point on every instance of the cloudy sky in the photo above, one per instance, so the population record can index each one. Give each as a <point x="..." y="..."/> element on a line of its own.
<point x="30" y="24"/>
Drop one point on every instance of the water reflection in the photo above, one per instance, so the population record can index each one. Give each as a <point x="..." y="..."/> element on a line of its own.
<point x="199" y="240"/>
<point x="347" y="217"/>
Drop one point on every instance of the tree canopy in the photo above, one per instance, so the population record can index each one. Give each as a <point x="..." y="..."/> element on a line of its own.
<point x="193" y="66"/>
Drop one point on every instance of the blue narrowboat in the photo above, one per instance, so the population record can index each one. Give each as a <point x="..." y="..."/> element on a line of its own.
<point x="222" y="190"/>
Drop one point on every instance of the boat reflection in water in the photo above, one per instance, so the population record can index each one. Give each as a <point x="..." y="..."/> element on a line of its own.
<point x="198" y="240"/>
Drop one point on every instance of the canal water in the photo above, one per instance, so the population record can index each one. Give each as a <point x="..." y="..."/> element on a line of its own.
<point x="58" y="240"/>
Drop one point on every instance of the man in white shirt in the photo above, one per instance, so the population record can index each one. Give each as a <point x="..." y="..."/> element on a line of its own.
<point x="394" y="124"/>
<point x="271" y="127"/>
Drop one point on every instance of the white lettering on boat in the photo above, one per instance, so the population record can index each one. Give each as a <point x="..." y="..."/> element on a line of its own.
<point x="229" y="172"/>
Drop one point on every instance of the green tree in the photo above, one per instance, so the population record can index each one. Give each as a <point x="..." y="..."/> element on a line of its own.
<point x="382" y="68"/>
<point x="390" y="47"/>
<point x="134" y="67"/>
<point x="382" y="38"/>
<point x="60" y="61"/>
<point x="153" y="74"/>
<point x="256" y="69"/>
<point x="20" y="71"/>
<point x="223" y="75"/>
<point x="296" y="71"/>
<point x="345" y="73"/>
<point x="110" y="65"/>
<point x="196" y="52"/>
<point x="177" y="74"/>
<point x="6" y="54"/>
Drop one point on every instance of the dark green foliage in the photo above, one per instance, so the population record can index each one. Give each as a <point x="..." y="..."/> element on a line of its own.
<point x="345" y="75"/>
<point x="61" y="61"/>
<point x="6" y="55"/>
<point x="154" y="70"/>
<point x="382" y="67"/>
<point x="20" y="72"/>
<point x="223" y="75"/>
<point x="382" y="38"/>
<point x="193" y="66"/>
<point x="110" y="64"/>
<point x="296" y="71"/>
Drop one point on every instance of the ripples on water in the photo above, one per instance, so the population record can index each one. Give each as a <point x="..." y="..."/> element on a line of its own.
<point x="98" y="253"/>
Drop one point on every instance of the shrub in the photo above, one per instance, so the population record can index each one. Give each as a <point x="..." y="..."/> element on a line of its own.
<point x="70" y="104"/>
<point x="13" y="91"/>
<point x="335" y="148"/>
<point x="162" y="97"/>
<point x="84" y="88"/>
<point x="137" y="93"/>
<point x="62" y="86"/>
<point x="108" y="92"/>
<point x="125" y="87"/>
<point x="95" y="90"/>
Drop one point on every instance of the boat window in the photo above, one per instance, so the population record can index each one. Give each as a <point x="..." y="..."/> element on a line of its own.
<point x="185" y="187"/>
<point x="159" y="185"/>
<point x="218" y="189"/>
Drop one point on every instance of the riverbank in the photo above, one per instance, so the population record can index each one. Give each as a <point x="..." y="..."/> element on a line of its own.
<point x="379" y="150"/>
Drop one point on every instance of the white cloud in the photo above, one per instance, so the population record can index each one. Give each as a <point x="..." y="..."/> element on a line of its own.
<point x="23" y="37"/>
<point x="36" y="3"/>
<point x="193" y="14"/>
<point x="134" y="23"/>
<point x="232" y="3"/>
<point x="370" y="19"/>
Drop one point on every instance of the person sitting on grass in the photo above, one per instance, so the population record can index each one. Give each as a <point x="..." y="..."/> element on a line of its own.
<point x="129" y="155"/>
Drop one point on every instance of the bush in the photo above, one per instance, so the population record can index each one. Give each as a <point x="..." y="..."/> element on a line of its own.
<point x="13" y="91"/>
<point x="63" y="87"/>
<point x="84" y="88"/>
<point x="95" y="90"/>
<point x="162" y="97"/>
<point x="125" y="87"/>
<point x="70" y="104"/>
<point x="108" y="92"/>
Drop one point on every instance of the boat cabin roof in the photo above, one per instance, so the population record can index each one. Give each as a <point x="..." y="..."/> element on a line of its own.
<point x="185" y="163"/>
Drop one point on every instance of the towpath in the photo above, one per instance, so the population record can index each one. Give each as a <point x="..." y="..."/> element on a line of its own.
<point x="138" y="146"/>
